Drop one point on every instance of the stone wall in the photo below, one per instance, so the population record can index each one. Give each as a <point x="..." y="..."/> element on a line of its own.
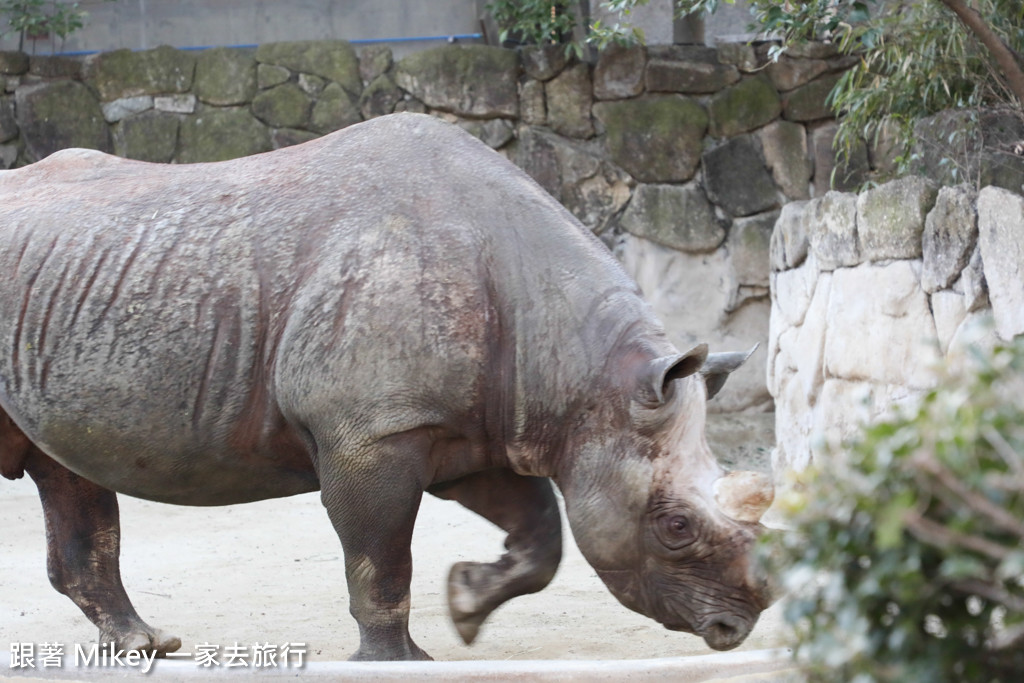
<point x="869" y="291"/>
<point x="678" y="157"/>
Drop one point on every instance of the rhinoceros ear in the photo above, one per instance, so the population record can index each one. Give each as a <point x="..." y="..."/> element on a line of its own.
<point x="661" y="371"/>
<point x="717" y="367"/>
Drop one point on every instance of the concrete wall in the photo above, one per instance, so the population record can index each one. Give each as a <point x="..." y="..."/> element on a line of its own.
<point x="142" y="24"/>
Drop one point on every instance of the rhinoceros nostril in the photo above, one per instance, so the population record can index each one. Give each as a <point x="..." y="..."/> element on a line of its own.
<point x="725" y="633"/>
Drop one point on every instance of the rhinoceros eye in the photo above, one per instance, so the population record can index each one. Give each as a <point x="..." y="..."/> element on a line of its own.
<point x="675" y="530"/>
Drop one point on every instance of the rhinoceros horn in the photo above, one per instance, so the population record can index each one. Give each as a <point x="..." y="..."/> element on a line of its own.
<point x="744" y="496"/>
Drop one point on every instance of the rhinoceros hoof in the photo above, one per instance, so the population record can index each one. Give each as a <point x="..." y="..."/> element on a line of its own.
<point x="143" y="640"/>
<point x="469" y="597"/>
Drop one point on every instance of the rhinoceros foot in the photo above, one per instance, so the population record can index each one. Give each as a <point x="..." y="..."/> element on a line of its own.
<point x="141" y="638"/>
<point x="474" y="591"/>
<point x="410" y="652"/>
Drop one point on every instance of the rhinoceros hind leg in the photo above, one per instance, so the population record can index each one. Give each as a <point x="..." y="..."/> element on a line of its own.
<point x="526" y="508"/>
<point x="83" y="544"/>
<point x="373" y="509"/>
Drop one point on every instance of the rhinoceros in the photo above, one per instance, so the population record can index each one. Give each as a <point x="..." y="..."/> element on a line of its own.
<point x="390" y="309"/>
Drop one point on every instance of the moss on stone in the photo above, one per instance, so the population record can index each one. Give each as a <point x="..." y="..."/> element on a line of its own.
<point x="750" y="104"/>
<point x="655" y="139"/>
<point x="123" y="73"/>
<point x="283" y="106"/>
<point x="335" y="109"/>
<point x="472" y="80"/>
<point x="269" y="75"/>
<point x="149" y="136"/>
<point x="334" y="60"/>
<point x="219" y="134"/>
<point x="807" y="103"/>
<point x="59" y="115"/>
<point x="379" y="97"/>
<point x="225" y="76"/>
<point x="13" y="62"/>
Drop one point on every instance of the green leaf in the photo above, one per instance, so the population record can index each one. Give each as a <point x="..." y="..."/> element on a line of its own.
<point x="891" y="521"/>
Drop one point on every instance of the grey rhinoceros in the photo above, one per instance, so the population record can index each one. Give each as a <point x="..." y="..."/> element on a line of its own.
<point x="387" y="310"/>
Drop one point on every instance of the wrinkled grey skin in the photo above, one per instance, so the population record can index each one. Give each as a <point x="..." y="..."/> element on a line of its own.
<point x="388" y="310"/>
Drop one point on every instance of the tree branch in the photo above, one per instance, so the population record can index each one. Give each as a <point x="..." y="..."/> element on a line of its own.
<point x="1004" y="56"/>
<point x="934" y="533"/>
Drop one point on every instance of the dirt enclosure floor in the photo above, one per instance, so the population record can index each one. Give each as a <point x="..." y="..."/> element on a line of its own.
<point x="272" y="572"/>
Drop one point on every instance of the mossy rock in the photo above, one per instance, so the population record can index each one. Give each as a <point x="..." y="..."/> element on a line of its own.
<point x="750" y="104"/>
<point x="379" y="98"/>
<point x="149" y="136"/>
<point x="891" y="218"/>
<point x="569" y="101"/>
<point x="334" y="60"/>
<point x="220" y="134"/>
<point x="225" y="76"/>
<point x="8" y="125"/>
<point x="655" y="139"/>
<point x="286" y="137"/>
<point x="283" y="106"/>
<point x="269" y="75"/>
<point x="13" y="62"/>
<point x="58" y="115"/>
<point x="470" y="80"/>
<point x="123" y="73"/>
<point x="676" y="216"/>
<point x="374" y="62"/>
<point x="334" y="110"/>
<point x="736" y="179"/>
<point x="808" y="102"/>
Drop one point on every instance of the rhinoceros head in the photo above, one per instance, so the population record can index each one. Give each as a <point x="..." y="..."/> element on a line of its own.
<point x="668" y="531"/>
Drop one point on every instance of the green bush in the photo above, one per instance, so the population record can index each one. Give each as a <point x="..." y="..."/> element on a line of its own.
<point x="907" y="562"/>
<point x="31" y="18"/>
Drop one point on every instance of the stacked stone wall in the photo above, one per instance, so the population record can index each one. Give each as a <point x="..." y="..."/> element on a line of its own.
<point x="679" y="158"/>
<point x="870" y="291"/>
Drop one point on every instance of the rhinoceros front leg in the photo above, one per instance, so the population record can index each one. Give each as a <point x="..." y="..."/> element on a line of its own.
<point x="372" y="496"/>
<point x="526" y="508"/>
<point x="83" y="544"/>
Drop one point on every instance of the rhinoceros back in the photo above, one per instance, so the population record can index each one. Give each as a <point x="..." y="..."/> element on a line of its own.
<point x="187" y="333"/>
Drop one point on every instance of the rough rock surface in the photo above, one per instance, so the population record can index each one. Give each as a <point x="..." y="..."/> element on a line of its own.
<point x="675" y="216"/>
<point x="283" y="106"/>
<point x="149" y="136"/>
<point x="1001" y="238"/>
<point x="124" y="73"/>
<point x="333" y="60"/>
<point x="749" y="104"/>
<point x="784" y="145"/>
<point x="687" y="69"/>
<point x="655" y="139"/>
<point x="472" y="80"/>
<point x="854" y="331"/>
<point x="832" y="230"/>
<point x="126" y="106"/>
<point x="890" y="218"/>
<point x="225" y="76"/>
<point x="335" y="109"/>
<point x="222" y="133"/>
<point x="58" y="115"/>
<point x="569" y="102"/>
<point x="950" y="235"/>
<point x="807" y="103"/>
<point x="736" y="177"/>
<point x="619" y="73"/>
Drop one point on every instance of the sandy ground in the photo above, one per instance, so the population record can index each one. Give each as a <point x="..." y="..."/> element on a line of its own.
<point x="272" y="572"/>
